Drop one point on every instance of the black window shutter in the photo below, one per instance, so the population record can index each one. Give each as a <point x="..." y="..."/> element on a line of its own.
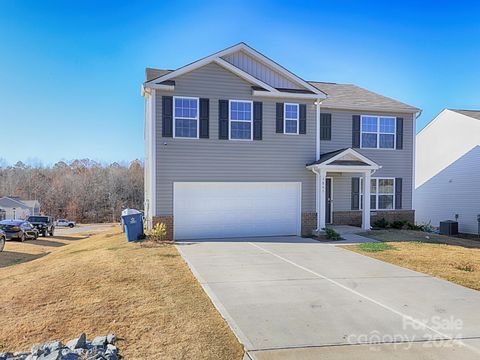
<point x="257" y="120"/>
<point x="398" y="193"/>
<point x="167" y="116"/>
<point x="302" y="119"/>
<point x="399" y="133"/>
<point x="325" y="126"/>
<point x="355" y="131"/>
<point x="223" y="119"/>
<point x="279" y="118"/>
<point x="204" y="118"/>
<point x="355" y="193"/>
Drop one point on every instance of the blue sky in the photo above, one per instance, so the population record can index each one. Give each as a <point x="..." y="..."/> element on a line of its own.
<point x="70" y="72"/>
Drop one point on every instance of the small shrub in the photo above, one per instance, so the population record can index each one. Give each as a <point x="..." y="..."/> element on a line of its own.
<point x="332" y="234"/>
<point x="411" y="226"/>
<point x="381" y="223"/>
<point x="375" y="247"/>
<point x="398" y="224"/>
<point x="428" y="227"/>
<point x="158" y="233"/>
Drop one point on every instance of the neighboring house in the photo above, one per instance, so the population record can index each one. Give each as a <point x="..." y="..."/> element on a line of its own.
<point x="448" y="170"/>
<point x="236" y="145"/>
<point x="15" y="208"/>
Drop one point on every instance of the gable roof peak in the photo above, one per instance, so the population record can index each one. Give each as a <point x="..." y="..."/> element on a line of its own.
<point x="218" y="58"/>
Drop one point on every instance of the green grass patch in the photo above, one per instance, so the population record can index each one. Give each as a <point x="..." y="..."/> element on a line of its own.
<point x="375" y="247"/>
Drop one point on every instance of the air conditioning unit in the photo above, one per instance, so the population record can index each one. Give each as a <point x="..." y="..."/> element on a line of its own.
<point x="449" y="227"/>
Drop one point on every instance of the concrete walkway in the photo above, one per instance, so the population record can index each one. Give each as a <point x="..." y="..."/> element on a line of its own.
<point x="350" y="235"/>
<point x="295" y="298"/>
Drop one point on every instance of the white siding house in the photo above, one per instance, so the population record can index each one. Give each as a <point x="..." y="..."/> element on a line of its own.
<point x="15" y="208"/>
<point x="447" y="185"/>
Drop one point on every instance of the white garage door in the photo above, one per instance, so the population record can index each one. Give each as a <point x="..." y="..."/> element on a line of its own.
<point x="236" y="209"/>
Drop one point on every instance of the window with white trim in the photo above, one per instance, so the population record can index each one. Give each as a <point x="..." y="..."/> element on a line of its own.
<point x="240" y="118"/>
<point x="382" y="194"/>
<point x="185" y="115"/>
<point x="290" y="117"/>
<point x="377" y="132"/>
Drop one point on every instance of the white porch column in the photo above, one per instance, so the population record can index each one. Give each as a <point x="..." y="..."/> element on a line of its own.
<point x="366" y="200"/>
<point x="321" y="214"/>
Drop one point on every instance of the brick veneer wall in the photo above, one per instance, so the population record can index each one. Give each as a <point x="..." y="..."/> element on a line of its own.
<point x="309" y="223"/>
<point x="355" y="217"/>
<point x="168" y="221"/>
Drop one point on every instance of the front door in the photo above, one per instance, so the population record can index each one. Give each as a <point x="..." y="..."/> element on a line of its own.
<point x="328" y="200"/>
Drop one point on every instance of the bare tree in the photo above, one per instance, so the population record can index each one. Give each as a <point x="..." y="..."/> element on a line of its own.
<point x="83" y="190"/>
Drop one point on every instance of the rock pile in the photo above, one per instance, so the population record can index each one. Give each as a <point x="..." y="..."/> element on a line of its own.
<point x="100" y="348"/>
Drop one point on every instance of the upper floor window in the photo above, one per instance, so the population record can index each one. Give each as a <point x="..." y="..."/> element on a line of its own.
<point x="241" y="120"/>
<point x="290" y="118"/>
<point x="382" y="193"/>
<point x="377" y="132"/>
<point x="185" y="115"/>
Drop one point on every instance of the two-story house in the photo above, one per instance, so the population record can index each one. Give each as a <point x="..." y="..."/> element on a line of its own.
<point x="237" y="146"/>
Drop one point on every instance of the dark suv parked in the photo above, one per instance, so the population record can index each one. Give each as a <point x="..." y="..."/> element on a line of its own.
<point x="44" y="224"/>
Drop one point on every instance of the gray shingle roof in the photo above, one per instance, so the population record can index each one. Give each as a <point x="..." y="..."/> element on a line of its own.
<point x="326" y="156"/>
<point x="151" y="73"/>
<point x="329" y="155"/>
<point x="340" y="96"/>
<point x="472" y="113"/>
<point x="6" y="202"/>
<point x="353" y="97"/>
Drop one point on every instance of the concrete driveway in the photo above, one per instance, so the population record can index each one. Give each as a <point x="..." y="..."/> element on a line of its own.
<point x="295" y="298"/>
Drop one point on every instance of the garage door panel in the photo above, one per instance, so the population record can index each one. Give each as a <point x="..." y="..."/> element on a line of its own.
<point x="213" y="210"/>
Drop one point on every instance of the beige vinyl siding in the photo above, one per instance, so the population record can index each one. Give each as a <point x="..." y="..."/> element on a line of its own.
<point x="277" y="157"/>
<point x="395" y="163"/>
<point x="259" y="70"/>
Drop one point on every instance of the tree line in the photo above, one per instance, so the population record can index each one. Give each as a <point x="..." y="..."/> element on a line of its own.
<point x="80" y="190"/>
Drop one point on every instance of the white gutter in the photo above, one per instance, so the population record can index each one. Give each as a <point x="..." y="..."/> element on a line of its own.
<point x="317" y="136"/>
<point x="317" y="197"/>
<point x="414" y="155"/>
<point x="279" y="94"/>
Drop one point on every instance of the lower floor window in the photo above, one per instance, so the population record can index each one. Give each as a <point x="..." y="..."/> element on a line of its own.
<point x="382" y="193"/>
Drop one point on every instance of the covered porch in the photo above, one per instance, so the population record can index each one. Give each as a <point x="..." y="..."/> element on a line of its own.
<point x="340" y="164"/>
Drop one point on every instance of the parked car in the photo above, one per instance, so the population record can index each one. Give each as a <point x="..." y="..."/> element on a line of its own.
<point x="65" y="222"/>
<point x="3" y="237"/>
<point x="18" y="230"/>
<point x="44" y="224"/>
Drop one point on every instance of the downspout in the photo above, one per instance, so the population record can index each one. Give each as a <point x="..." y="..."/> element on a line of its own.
<point x="318" y="102"/>
<point x="317" y="197"/>
<point x="317" y="136"/>
<point x="414" y="156"/>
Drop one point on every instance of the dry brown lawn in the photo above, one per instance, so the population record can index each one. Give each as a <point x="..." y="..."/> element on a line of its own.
<point x="453" y="259"/>
<point x="58" y="287"/>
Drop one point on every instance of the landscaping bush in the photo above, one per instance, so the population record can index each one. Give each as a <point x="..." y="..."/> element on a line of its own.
<point x="411" y="226"/>
<point x="381" y="223"/>
<point x="332" y="234"/>
<point x="422" y="227"/>
<point x="158" y="233"/>
<point x="398" y="224"/>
